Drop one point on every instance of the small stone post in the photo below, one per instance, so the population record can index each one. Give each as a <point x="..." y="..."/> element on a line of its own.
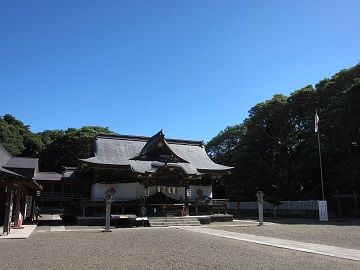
<point x="260" y="198"/>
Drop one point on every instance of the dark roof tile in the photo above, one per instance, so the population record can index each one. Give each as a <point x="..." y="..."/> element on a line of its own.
<point x="22" y="162"/>
<point x="119" y="150"/>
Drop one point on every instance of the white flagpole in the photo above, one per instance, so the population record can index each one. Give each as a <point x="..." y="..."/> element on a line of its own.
<point x="317" y="130"/>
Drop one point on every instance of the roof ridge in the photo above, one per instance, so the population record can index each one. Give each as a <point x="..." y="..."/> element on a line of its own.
<point x="3" y="148"/>
<point x="26" y="157"/>
<point x="49" y="172"/>
<point x="146" y="138"/>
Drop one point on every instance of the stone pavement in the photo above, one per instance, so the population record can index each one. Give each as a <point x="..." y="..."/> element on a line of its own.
<point x="155" y="248"/>
<point x="19" y="233"/>
<point x="345" y="253"/>
<point x="217" y="230"/>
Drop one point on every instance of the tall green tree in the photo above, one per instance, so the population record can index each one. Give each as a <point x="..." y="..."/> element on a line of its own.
<point x="17" y="138"/>
<point x="66" y="147"/>
<point x="277" y="151"/>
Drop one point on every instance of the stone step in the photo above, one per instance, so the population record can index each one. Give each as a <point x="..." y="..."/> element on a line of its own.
<point x="168" y="224"/>
<point x="184" y="222"/>
<point x="173" y="221"/>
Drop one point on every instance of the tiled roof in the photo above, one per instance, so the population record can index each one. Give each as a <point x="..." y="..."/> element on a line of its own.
<point x="22" y="162"/>
<point x="120" y="151"/>
<point x="7" y="163"/>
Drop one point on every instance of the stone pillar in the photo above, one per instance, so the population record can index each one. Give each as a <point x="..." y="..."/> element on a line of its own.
<point x="107" y="215"/>
<point x="260" y="198"/>
<point x="108" y="200"/>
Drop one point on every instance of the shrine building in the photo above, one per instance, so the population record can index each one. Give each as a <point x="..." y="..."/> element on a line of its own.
<point x="152" y="176"/>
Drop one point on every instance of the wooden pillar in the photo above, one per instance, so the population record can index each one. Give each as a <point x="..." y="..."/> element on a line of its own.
<point x="186" y="199"/>
<point x="95" y="179"/>
<point x="144" y="211"/>
<point x="212" y="189"/>
<point x="17" y="205"/>
<point x="8" y="209"/>
<point x="52" y="188"/>
<point x="338" y="203"/>
<point x="33" y="207"/>
<point x="23" y="204"/>
<point x="355" y="202"/>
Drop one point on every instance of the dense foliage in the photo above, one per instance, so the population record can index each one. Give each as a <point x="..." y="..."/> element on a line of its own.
<point x="56" y="148"/>
<point x="64" y="148"/>
<point x="275" y="149"/>
<point x="17" y="138"/>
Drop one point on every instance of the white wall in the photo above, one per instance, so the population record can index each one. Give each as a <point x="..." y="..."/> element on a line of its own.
<point x="123" y="192"/>
<point x="134" y="191"/>
<point x="180" y="193"/>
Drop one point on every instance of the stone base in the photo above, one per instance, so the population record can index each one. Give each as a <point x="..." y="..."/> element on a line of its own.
<point x="221" y="218"/>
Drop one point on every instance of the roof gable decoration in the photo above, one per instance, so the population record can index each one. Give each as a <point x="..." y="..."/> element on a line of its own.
<point x="157" y="148"/>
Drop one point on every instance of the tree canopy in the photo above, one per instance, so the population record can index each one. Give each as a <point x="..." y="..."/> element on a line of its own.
<point x="55" y="148"/>
<point x="64" y="148"/>
<point x="17" y="138"/>
<point x="275" y="148"/>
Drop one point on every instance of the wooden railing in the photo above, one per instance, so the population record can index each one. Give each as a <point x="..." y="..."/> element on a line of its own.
<point x="59" y="196"/>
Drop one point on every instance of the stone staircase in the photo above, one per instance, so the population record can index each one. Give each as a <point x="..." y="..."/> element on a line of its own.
<point x="173" y="221"/>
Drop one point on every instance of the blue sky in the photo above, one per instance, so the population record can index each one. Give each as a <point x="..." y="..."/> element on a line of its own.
<point x="190" y="68"/>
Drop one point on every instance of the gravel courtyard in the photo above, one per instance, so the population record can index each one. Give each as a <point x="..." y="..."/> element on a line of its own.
<point x="346" y="235"/>
<point x="159" y="248"/>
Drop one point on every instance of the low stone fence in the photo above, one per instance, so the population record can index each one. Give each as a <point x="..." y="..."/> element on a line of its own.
<point x="285" y="209"/>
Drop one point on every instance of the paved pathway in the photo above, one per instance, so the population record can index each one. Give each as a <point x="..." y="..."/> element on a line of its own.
<point x="345" y="253"/>
<point x="19" y="233"/>
<point x="57" y="228"/>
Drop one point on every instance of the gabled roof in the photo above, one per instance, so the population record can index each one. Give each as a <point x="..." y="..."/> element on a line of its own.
<point x="22" y="163"/>
<point x="157" y="146"/>
<point x="10" y="166"/>
<point x="127" y="152"/>
<point x="4" y="158"/>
